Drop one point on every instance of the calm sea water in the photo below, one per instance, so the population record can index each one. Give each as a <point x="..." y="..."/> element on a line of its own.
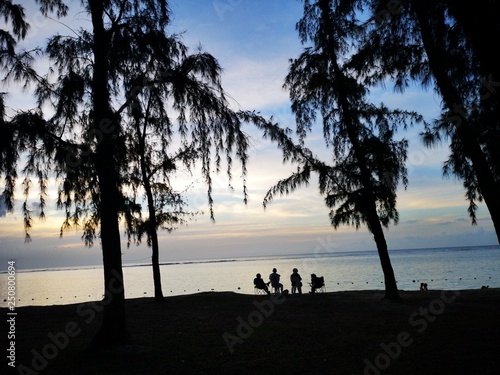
<point x="442" y="268"/>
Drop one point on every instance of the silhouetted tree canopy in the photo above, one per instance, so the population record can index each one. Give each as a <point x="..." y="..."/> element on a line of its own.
<point x="360" y="185"/>
<point x="446" y="46"/>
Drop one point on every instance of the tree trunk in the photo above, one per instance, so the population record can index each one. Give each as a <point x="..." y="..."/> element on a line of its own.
<point x="156" y="267"/>
<point x="152" y="224"/>
<point x="153" y="235"/>
<point x="489" y="188"/>
<point x="391" y="289"/>
<point x="114" y="328"/>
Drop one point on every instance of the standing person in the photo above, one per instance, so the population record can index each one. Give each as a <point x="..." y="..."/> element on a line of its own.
<point x="296" y="280"/>
<point x="274" y="278"/>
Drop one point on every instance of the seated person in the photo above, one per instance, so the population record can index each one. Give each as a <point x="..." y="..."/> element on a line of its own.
<point x="274" y="279"/>
<point x="296" y="281"/>
<point x="259" y="283"/>
<point x="316" y="282"/>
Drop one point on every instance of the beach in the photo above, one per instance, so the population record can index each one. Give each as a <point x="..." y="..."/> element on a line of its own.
<point x="347" y="332"/>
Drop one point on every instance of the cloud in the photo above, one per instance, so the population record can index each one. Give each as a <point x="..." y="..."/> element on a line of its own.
<point x="444" y="223"/>
<point x="431" y="191"/>
<point x="256" y="84"/>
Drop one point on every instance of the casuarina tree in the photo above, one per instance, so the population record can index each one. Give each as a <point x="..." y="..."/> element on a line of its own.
<point x="446" y="46"/>
<point x="191" y="90"/>
<point x="368" y="164"/>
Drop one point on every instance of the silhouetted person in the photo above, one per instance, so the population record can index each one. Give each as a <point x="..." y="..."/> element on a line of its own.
<point x="274" y="278"/>
<point x="259" y="283"/>
<point x="296" y="280"/>
<point x="423" y="286"/>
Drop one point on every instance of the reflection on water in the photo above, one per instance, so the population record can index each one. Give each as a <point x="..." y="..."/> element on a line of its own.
<point x="453" y="268"/>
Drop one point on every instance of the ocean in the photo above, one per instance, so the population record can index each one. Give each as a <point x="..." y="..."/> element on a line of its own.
<point x="441" y="268"/>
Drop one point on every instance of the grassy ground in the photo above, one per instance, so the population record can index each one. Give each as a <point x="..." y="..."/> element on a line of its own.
<point x="434" y="332"/>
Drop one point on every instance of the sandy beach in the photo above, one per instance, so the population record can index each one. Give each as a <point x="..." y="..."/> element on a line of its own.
<point x="355" y="332"/>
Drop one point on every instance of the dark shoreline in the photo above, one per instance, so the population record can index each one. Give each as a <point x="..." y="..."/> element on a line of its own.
<point x="352" y="332"/>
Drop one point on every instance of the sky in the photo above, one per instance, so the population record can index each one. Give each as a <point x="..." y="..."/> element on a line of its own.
<point x="253" y="41"/>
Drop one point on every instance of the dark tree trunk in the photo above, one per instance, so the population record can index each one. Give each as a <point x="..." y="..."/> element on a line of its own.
<point x="153" y="235"/>
<point x="391" y="288"/>
<point x="155" y="261"/>
<point x="152" y="223"/>
<point x="468" y="135"/>
<point x="114" y="328"/>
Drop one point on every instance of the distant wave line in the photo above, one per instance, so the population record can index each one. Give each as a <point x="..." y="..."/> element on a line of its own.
<point x="324" y="254"/>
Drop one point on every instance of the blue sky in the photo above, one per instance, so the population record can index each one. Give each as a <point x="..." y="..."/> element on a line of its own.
<point x="253" y="41"/>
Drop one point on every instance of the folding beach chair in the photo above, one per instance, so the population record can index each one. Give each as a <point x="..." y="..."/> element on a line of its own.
<point x="317" y="284"/>
<point x="259" y="291"/>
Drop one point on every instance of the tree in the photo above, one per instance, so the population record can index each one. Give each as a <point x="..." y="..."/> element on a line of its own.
<point x="444" y="44"/>
<point x="16" y="66"/>
<point x="151" y="170"/>
<point x="15" y="17"/>
<point x="191" y="88"/>
<point x="100" y="73"/>
<point x="471" y="118"/>
<point x="360" y="187"/>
